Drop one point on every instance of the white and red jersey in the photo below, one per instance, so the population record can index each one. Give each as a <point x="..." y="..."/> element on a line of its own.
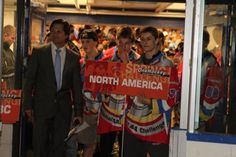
<point x="151" y="122"/>
<point x="212" y="86"/>
<point x="212" y="92"/>
<point x="92" y="101"/>
<point x="111" y="117"/>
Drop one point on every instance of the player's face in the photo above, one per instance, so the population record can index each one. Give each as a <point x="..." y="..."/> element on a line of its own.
<point x="89" y="45"/>
<point x="148" y="42"/>
<point x="124" y="45"/>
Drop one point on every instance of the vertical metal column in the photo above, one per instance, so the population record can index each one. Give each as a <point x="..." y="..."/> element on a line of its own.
<point x="18" y="73"/>
<point x="23" y="137"/>
<point x="191" y="61"/>
<point x="1" y="34"/>
<point x="19" y="43"/>
<point x="186" y="64"/>
<point x="178" y="140"/>
<point x="196" y="61"/>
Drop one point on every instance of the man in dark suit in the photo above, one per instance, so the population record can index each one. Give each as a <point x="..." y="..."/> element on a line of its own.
<point x="52" y="86"/>
<point x="8" y="56"/>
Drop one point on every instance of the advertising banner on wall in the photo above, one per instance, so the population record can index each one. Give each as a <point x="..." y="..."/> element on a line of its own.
<point x="130" y="79"/>
<point x="10" y="105"/>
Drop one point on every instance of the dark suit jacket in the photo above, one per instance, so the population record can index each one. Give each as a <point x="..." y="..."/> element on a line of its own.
<point x="40" y="91"/>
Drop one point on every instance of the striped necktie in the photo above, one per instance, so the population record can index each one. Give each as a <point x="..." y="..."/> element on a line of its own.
<point x="57" y="68"/>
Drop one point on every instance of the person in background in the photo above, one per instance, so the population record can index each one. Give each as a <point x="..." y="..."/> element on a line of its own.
<point x="114" y="105"/>
<point x="92" y="103"/>
<point x="8" y="82"/>
<point x="137" y="46"/>
<point x="111" y="37"/>
<point x="161" y="43"/>
<point x="150" y="114"/>
<point x="72" y="42"/>
<point x="8" y="56"/>
<point x="212" y="110"/>
<point x="178" y="58"/>
<point x="178" y="61"/>
<point x="52" y="87"/>
<point x="170" y="54"/>
<point x="208" y="59"/>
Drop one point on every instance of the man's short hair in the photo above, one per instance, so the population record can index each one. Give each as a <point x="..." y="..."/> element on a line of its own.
<point x="66" y="25"/>
<point x="89" y="34"/>
<point x="157" y="34"/>
<point x="9" y="30"/>
<point x="126" y="32"/>
<point x="206" y="37"/>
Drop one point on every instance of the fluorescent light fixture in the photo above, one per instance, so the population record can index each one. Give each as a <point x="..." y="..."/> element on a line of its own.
<point x="87" y="3"/>
<point x="77" y="5"/>
<point x="67" y="2"/>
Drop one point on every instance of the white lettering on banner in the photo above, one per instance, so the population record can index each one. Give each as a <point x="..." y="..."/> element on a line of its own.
<point x="5" y="109"/>
<point x="147" y="69"/>
<point x="103" y="80"/>
<point x="116" y="121"/>
<point x="152" y="72"/>
<point x="142" y="84"/>
<point x="8" y="95"/>
<point x="145" y="130"/>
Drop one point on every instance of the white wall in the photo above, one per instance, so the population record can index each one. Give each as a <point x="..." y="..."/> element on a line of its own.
<point x="181" y="147"/>
<point x="6" y="140"/>
<point x="177" y="143"/>
<point x="205" y="149"/>
<point x="9" y="16"/>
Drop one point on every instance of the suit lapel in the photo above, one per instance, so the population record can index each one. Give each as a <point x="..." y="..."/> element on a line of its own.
<point x="66" y="65"/>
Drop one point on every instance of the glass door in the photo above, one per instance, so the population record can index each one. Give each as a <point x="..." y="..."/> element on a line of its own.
<point x="216" y="83"/>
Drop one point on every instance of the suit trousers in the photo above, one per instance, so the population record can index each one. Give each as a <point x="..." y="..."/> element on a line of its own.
<point x="107" y="141"/>
<point x="49" y="135"/>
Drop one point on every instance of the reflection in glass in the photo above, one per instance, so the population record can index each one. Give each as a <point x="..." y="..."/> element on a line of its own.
<point x="216" y="105"/>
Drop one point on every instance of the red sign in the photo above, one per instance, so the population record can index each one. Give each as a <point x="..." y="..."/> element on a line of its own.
<point x="129" y="79"/>
<point x="10" y="105"/>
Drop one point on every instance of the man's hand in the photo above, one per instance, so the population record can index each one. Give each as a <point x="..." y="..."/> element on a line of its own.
<point x="77" y="120"/>
<point x="123" y="54"/>
<point x="124" y="57"/>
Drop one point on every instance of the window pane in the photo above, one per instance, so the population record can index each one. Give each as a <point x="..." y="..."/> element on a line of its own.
<point x="215" y="74"/>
